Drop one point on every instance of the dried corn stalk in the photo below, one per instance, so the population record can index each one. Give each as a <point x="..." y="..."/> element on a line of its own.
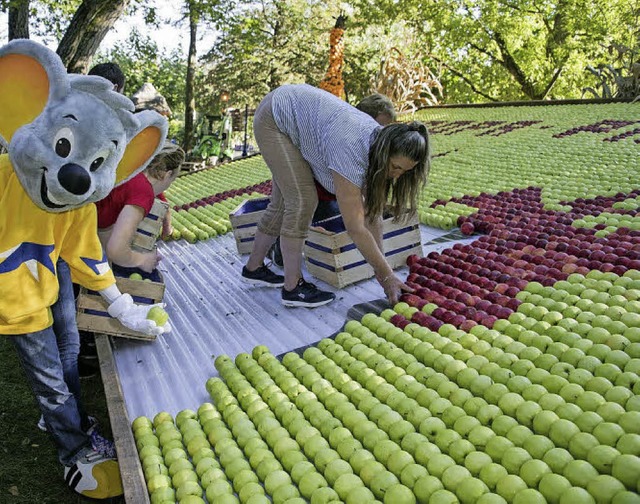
<point x="409" y="84"/>
<point x="333" y="81"/>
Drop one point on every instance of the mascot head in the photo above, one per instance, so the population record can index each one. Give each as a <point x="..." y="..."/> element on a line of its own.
<point x="70" y="138"/>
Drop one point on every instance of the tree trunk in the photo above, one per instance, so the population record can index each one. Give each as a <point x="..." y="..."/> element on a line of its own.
<point x="189" y="99"/>
<point x="90" y="23"/>
<point x="19" y="19"/>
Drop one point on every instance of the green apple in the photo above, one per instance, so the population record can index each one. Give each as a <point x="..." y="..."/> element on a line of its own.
<point x="581" y="444"/>
<point x="576" y="495"/>
<point x="158" y="315"/>
<point x="382" y="482"/>
<point x="603" y="488"/>
<point x="480" y="436"/>
<point x="629" y="444"/>
<point x="579" y="472"/>
<point x="425" y="487"/>
<point x="537" y="445"/>
<point x="310" y="482"/>
<point x="552" y="486"/>
<point x="411" y="474"/>
<point x="491" y="473"/>
<point x="439" y="463"/>
<point x="513" y="458"/>
<point x="475" y="461"/>
<point x="557" y="459"/>
<point x="323" y="495"/>
<point x="608" y="433"/>
<point x="496" y="447"/>
<point x="508" y="486"/>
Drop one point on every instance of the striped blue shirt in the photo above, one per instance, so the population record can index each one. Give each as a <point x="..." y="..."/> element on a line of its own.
<point x="331" y="134"/>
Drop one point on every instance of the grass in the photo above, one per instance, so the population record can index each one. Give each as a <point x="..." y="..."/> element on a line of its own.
<point x="29" y="468"/>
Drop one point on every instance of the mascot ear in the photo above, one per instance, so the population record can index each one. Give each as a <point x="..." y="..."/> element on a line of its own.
<point x="147" y="141"/>
<point x="30" y="75"/>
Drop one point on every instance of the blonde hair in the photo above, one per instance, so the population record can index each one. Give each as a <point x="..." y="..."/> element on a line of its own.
<point x="170" y="158"/>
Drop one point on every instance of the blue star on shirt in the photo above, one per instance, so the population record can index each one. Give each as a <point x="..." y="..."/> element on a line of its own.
<point x="99" y="267"/>
<point x="29" y="254"/>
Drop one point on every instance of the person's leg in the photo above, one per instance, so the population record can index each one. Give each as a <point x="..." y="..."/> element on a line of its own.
<point x="68" y="339"/>
<point x="40" y="359"/>
<point x="293" y="198"/>
<point x="87" y="470"/>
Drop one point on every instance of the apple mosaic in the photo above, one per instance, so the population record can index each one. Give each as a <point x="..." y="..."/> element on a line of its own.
<point x="529" y="411"/>
<point x="566" y="152"/>
<point x="510" y="374"/>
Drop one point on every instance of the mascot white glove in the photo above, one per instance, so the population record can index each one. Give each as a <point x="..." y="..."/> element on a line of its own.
<point x="134" y="316"/>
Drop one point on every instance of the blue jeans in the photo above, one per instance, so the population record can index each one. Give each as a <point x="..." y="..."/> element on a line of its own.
<point x="65" y="328"/>
<point x="50" y="357"/>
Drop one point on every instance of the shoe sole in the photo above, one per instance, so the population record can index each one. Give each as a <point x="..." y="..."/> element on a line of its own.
<point x="261" y="283"/>
<point x="303" y="304"/>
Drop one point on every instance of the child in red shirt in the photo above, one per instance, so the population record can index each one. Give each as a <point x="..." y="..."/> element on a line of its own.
<point x="120" y="213"/>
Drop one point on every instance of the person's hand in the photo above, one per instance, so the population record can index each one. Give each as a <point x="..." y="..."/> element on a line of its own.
<point x="393" y="287"/>
<point x="149" y="261"/>
<point x="167" y="229"/>
<point x="134" y="316"/>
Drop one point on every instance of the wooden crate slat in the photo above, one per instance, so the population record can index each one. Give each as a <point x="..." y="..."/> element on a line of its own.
<point x="150" y="227"/>
<point x="343" y="267"/>
<point x="245" y="223"/>
<point x="108" y="325"/>
<point x="133" y="482"/>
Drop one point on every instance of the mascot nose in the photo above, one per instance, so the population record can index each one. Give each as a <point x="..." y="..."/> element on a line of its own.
<point x="74" y="178"/>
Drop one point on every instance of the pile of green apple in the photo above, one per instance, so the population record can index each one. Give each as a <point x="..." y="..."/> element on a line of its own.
<point x="199" y="223"/>
<point x="542" y="408"/>
<point x="218" y="179"/>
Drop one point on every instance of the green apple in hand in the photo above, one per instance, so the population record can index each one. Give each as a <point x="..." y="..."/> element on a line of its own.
<point x="158" y="315"/>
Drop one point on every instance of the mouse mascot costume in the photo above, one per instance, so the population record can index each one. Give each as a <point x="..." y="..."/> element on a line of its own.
<point x="70" y="140"/>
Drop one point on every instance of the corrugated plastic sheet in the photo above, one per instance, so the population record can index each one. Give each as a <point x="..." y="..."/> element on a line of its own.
<point x="213" y="312"/>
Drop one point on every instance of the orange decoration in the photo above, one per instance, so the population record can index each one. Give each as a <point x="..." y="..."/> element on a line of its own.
<point x="332" y="81"/>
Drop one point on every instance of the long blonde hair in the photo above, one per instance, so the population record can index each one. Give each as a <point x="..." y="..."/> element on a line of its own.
<point x="170" y="158"/>
<point x="410" y="140"/>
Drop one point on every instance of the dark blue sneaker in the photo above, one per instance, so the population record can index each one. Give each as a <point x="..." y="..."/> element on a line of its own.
<point x="306" y="295"/>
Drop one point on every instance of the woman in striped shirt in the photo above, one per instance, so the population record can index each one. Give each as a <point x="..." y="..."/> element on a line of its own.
<point x="305" y="135"/>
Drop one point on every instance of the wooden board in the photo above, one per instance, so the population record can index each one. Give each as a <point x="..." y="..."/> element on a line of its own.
<point x="92" y="313"/>
<point x="133" y="482"/>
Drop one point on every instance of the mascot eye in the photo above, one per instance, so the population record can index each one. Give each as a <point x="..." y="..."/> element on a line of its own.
<point x="63" y="142"/>
<point x="99" y="160"/>
<point x="96" y="163"/>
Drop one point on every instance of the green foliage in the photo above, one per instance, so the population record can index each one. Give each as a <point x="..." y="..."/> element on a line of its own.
<point x="263" y="46"/>
<point x="142" y="61"/>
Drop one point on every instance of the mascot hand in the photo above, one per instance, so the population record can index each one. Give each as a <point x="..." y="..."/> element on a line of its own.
<point x="134" y="316"/>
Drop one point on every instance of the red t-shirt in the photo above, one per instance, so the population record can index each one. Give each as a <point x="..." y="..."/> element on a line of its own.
<point x="137" y="191"/>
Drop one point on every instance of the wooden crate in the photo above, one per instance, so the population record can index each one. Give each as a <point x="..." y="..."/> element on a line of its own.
<point x="244" y="220"/>
<point x="151" y="226"/>
<point x="92" y="308"/>
<point x="331" y="255"/>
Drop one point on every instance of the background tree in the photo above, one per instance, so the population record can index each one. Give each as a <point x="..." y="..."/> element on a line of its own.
<point x="88" y="27"/>
<point x="19" y="19"/>
<point x="263" y="45"/>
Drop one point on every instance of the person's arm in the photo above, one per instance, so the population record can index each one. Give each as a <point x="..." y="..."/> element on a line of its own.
<point x="351" y="205"/>
<point x="118" y="246"/>
<point x="374" y="225"/>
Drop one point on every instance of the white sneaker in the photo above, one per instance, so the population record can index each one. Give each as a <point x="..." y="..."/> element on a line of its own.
<point x="94" y="475"/>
